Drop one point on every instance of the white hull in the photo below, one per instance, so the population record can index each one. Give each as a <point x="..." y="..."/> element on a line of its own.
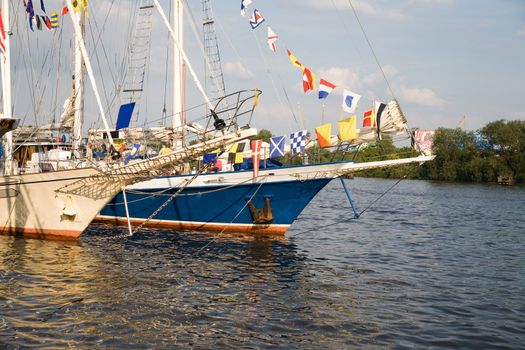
<point x="30" y="205"/>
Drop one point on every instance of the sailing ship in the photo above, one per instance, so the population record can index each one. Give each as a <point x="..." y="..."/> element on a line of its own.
<point x="265" y="201"/>
<point x="61" y="204"/>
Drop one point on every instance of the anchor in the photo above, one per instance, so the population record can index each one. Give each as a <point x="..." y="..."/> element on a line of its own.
<point x="262" y="216"/>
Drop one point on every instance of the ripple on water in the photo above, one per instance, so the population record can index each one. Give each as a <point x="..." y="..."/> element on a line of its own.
<point x="431" y="265"/>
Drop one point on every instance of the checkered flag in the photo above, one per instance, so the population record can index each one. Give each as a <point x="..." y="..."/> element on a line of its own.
<point x="298" y="141"/>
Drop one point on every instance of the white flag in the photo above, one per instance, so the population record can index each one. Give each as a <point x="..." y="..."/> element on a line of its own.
<point x="350" y="100"/>
<point x="244" y="6"/>
<point x="272" y="38"/>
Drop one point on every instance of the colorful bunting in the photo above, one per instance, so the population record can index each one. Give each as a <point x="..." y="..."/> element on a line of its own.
<point x="369" y="121"/>
<point x="350" y="100"/>
<point x="277" y="146"/>
<point x="347" y="129"/>
<point x="324" y="135"/>
<point x="42" y="6"/>
<point x="298" y="141"/>
<point x="272" y="38"/>
<point x="65" y="10"/>
<point x="256" y="19"/>
<point x="308" y="80"/>
<point x="244" y="6"/>
<point x="325" y="88"/>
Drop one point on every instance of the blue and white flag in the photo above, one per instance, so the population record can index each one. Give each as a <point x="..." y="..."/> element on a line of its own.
<point x="244" y="6"/>
<point x="277" y="146"/>
<point x="350" y="101"/>
<point x="256" y="19"/>
<point x="298" y="141"/>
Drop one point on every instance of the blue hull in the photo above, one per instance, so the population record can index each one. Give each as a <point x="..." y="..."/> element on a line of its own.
<point x="218" y="208"/>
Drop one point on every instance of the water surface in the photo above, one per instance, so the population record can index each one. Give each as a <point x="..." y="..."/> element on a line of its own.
<point x="431" y="265"/>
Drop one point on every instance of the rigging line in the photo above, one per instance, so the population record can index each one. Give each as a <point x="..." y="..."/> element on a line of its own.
<point x="372" y="49"/>
<point x="166" y="70"/>
<point x="225" y="227"/>
<point x="268" y="70"/>
<point x="353" y="219"/>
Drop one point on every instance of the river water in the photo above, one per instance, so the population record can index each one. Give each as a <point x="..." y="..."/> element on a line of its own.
<point x="430" y="265"/>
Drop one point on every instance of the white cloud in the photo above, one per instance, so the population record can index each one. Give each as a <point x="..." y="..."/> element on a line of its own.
<point x="341" y="77"/>
<point x="521" y="31"/>
<point x="421" y="96"/>
<point x="362" y="8"/>
<point x="236" y="69"/>
<point x="376" y="78"/>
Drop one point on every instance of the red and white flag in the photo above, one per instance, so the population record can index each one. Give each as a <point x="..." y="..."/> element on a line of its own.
<point x="272" y="38"/>
<point x="2" y="33"/>
<point x="256" y="156"/>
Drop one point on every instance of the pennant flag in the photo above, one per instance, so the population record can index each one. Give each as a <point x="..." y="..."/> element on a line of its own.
<point x="65" y="10"/>
<point x="325" y="88"/>
<point x="76" y="5"/>
<point x="256" y="156"/>
<point x="2" y="33"/>
<point x="256" y="99"/>
<point x="236" y="153"/>
<point x="378" y="109"/>
<point x="308" y="80"/>
<point x="277" y="146"/>
<point x="84" y="5"/>
<point x="244" y="6"/>
<point x="324" y="135"/>
<point x="368" y="119"/>
<point x="38" y="22"/>
<point x="42" y="6"/>
<point x="294" y="60"/>
<point x="347" y="129"/>
<point x="350" y="100"/>
<point x="54" y="20"/>
<point x="124" y="115"/>
<point x="209" y="158"/>
<point x="47" y="21"/>
<point x="298" y="141"/>
<point x="272" y="38"/>
<point x="256" y="19"/>
<point x="31" y="12"/>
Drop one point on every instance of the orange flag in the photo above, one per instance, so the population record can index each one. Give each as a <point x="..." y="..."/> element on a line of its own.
<point x="324" y="135"/>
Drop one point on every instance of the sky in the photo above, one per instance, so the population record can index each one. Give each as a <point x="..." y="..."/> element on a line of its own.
<point x="444" y="59"/>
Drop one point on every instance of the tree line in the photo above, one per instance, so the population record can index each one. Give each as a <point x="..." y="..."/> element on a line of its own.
<point x="498" y="149"/>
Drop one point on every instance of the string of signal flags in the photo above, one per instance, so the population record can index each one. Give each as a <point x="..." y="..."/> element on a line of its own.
<point x="50" y="21"/>
<point x="347" y="127"/>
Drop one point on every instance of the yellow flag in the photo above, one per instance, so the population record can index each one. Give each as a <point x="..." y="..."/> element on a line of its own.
<point x="84" y="6"/>
<point x="324" y="135"/>
<point x="256" y="99"/>
<point x="294" y="60"/>
<point x="347" y="129"/>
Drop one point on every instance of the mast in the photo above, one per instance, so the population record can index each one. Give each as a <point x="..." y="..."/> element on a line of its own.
<point x="6" y="90"/>
<point x="178" y="68"/>
<point x="211" y="46"/>
<point x="78" y="90"/>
